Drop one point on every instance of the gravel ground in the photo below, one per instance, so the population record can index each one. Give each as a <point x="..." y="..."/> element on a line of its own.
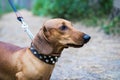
<point x="97" y="60"/>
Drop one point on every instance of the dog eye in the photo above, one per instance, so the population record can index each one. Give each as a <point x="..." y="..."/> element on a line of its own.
<point x="63" y="27"/>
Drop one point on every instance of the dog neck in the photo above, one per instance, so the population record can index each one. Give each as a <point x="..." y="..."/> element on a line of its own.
<point x="43" y="46"/>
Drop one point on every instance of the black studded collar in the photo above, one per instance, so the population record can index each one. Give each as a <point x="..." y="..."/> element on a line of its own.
<point x="45" y="58"/>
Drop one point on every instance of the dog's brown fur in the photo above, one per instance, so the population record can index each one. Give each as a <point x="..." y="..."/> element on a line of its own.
<point x="18" y="63"/>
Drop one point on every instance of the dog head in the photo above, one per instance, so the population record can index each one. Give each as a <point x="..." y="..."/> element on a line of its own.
<point x="57" y="34"/>
<point x="62" y="32"/>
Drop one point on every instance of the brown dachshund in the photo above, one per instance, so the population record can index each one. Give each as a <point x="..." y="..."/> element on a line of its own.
<point x="37" y="61"/>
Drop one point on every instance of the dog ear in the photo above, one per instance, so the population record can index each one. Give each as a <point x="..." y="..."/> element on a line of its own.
<point x="46" y="32"/>
<point x="44" y="29"/>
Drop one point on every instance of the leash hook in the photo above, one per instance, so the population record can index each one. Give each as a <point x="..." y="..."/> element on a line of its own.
<point x="26" y="29"/>
<point x="20" y="18"/>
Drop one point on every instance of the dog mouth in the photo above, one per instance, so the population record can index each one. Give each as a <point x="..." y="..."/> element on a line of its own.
<point x="74" y="45"/>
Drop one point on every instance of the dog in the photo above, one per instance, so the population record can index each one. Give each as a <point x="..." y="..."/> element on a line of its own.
<point x="38" y="61"/>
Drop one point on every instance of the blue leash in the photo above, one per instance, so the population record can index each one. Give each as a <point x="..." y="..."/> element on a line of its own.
<point x="13" y="7"/>
<point x="20" y="18"/>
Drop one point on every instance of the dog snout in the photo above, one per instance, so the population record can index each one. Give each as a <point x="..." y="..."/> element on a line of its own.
<point x="86" y="38"/>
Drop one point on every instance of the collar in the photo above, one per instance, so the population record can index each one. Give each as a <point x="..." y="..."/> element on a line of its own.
<point x="45" y="58"/>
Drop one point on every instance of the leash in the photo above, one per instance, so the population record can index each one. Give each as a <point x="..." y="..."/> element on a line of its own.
<point x="20" y="18"/>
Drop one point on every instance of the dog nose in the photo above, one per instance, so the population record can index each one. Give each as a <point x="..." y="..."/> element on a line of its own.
<point x="86" y="38"/>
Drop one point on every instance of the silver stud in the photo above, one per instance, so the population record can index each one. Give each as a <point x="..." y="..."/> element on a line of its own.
<point x="49" y="56"/>
<point x="47" y="60"/>
<point x="31" y="48"/>
<point x="53" y="62"/>
<point x="51" y="59"/>
<point x="40" y="57"/>
<point x="35" y="52"/>
<point x="56" y="57"/>
<point x="45" y="57"/>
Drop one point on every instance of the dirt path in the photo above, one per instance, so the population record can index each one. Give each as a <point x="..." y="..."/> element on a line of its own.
<point x="97" y="60"/>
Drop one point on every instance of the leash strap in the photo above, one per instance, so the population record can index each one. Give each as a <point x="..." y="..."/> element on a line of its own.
<point x="20" y="18"/>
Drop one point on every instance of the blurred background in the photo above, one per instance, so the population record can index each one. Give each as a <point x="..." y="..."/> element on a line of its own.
<point x="99" y="59"/>
<point x="102" y="13"/>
